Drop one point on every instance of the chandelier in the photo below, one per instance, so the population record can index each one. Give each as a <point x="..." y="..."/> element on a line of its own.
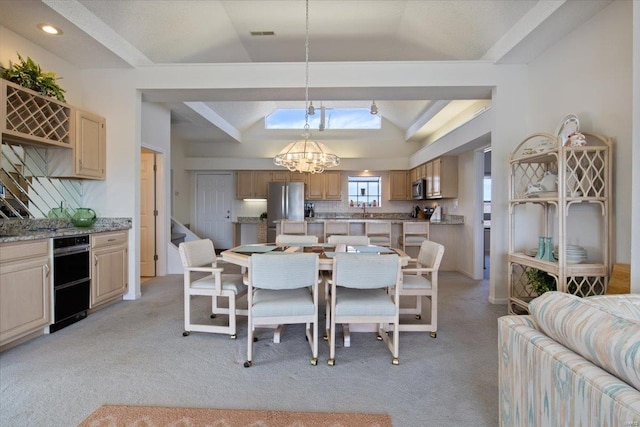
<point x="306" y="155"/>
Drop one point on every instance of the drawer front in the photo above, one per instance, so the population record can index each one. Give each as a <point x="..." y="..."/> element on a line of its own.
<point x="107" y="239"/>
<point x="21" y="250"/>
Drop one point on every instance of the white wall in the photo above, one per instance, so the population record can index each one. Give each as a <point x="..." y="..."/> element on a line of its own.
<point x="588" y="73"/>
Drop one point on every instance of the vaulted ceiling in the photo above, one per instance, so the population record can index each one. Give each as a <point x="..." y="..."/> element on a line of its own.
<point x="132" y="33"/>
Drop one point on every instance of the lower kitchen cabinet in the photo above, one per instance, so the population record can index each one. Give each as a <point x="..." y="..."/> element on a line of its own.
<point x="109" y="267"/>
<point x="25" y="289"/>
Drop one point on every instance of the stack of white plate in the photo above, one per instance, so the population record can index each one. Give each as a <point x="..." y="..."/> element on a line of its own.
<point x="575" y="254"/>
<point x="531" y="252"/>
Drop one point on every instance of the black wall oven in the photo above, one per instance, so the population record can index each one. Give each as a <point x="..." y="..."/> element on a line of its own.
<point x="71" y="280"/>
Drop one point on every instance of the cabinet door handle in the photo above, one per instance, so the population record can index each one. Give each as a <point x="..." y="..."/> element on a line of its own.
<point x="46" y="270"/>
<point x="95" y="260"/>
<point x="111" y="240"/>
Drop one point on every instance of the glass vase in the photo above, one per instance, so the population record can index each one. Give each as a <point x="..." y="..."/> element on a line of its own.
<point x="540" y="253"/>
<point x="548" y="250"/>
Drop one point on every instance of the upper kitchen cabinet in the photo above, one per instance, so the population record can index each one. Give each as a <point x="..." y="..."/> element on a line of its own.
<point x="399" y="185"/>
<point x="252" y="184"/>
<point x="324" y="186"/>
<point x="26" y="117"/>
<point x="280" y="176"/>
<point x="442" y="178"/>
<point x="88" y="158"/>
<point x="287" y="176"/>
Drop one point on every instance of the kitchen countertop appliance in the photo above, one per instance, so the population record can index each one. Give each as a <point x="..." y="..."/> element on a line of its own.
<point x="285" y="201"/>
<point x="428" y="212"/>
<point x="71" y="280"/>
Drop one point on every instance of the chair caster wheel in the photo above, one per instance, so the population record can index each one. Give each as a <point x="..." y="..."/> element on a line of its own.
<point x="233" y="337"/>
<point x="248" y="364"/>
<point x="418" y="317"/>
<point x="331" y="362"/>
<point x="379" y="337"/>
<point x="186" y="333"/>
<point x="255" y="339"/>
<point x="306" y="338"/>
<point x="395" y="361"/>
<point x="433" y="334"/>
<point x="213" y="316"/>
<point x="325" y="337"/>
<point x="314" y="361"/>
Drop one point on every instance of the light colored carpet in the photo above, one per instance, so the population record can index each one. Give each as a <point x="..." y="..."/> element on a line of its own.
<point x="126" y="416"/>
<point x="133" y="353"/>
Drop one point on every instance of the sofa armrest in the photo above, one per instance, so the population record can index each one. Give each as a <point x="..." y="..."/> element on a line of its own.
<point x="543" y="383"/>
<point x="599" y="335"/>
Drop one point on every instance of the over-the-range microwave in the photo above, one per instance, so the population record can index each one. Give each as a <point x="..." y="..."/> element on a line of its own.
<point x="419" y="189"/>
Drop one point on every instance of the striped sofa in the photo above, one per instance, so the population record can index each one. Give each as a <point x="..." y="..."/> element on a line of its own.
<point x="571" y="362"/>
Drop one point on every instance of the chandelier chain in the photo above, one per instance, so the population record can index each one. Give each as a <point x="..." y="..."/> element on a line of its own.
<point x="306" y="155"/>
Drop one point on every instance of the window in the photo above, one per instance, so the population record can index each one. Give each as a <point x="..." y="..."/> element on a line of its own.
<point x="364" y="191"/>
<point x="335" y="118"/>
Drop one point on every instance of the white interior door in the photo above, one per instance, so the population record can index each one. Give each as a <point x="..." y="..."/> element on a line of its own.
<point x="147" y="215"/>
<point x="214" y="194"/>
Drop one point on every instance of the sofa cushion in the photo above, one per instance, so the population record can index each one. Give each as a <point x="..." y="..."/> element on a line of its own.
<point x="595" y="332"/>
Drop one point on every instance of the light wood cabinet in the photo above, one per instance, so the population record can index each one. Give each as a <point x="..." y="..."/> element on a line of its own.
<point x="399" y="185"/>
<point x="109" y="267"/>
<point x="280" y="176"/>
<point x="442" y="178"/>
<point x="88" y="158"/>
<point x="25" y="289"/>
<point x="91" y="150"/>
<point x="324" y="186"/>
<point x="252" y="184"/>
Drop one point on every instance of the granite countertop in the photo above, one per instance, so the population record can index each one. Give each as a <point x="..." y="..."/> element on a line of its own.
<point x="393" y="218"/>
<point x="32" y="229"/>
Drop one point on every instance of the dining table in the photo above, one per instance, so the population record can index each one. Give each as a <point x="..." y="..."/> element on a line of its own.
<point x="240" y="256"/>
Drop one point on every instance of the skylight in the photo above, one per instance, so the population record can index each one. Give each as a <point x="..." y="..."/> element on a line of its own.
<point x="335" y="118"/>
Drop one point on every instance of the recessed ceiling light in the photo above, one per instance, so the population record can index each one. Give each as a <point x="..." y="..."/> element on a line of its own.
<point x="50" y="29"/>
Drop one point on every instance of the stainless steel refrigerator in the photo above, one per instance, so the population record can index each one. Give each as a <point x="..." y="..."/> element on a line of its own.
<point x="285" y="201"/>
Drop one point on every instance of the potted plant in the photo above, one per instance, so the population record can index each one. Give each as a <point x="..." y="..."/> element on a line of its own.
<point x="540" y="281"/>
<point x="263" y="216"/>
<point x="28" y="74"/>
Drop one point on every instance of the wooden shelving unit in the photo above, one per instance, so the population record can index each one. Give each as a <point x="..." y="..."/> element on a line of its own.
<point x="28" y="117"/>
<point x="583" y="195"/>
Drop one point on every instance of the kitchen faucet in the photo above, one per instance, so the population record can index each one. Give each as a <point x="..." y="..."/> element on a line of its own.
<point x="364" y="210"/>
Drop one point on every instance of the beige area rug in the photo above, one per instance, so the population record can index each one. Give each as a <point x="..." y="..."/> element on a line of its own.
<point x="151" y="416"/>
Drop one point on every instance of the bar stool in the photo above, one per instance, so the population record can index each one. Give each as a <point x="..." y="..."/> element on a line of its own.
<point x="413" y="234"/>
<point x="293" y="227"/>
<point x="379" y="233"/>
<point x="335" y="228"/>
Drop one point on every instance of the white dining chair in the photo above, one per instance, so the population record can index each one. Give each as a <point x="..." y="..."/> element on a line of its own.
<point x="295" y="239"/>
<point x="420" y="279"/>
<point x="283" y="289"/>
<point x="359" y="295"/>
<point x="199" y="256"/>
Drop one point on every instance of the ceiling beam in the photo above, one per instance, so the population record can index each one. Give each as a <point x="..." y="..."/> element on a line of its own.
<point x="525" y="26"/>
<point x="215" y="119"/>
<point x="432" y="109"/>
